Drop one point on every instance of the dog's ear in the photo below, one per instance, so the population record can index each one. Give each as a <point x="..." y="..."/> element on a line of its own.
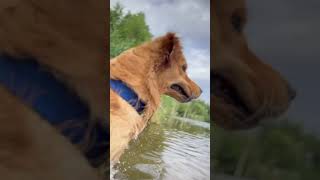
<point x="170" y="47"/>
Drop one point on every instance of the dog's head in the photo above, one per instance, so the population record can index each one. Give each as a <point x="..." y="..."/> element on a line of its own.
<point x="171" y="70"/>
<point x="160" y="68"/>
<point x="245" y="90"/>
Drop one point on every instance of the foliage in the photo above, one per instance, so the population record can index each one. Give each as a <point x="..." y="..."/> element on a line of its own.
<point x="279" y="151"/>
<point x="126" y="30"/>
<point x="196" y="110"/>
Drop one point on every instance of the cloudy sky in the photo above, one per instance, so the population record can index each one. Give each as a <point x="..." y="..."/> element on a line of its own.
<point x="286" y="34"/>
<point x="190" y="19"/>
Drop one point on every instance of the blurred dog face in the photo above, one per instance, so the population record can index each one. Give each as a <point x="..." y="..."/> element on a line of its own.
<point x="245" y="90"/>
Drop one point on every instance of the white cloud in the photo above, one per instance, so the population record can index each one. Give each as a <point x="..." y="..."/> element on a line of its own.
<point x="199" y="64"/>
<point x="199" y="70"/>
<point x="189" y="18"/>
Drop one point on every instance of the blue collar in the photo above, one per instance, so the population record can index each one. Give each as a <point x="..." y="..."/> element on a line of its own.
<point x="128" y="95"/>
<point x="52" y="100"/>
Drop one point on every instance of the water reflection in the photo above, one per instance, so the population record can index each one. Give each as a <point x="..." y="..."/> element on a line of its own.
<point x="170" y="149"/>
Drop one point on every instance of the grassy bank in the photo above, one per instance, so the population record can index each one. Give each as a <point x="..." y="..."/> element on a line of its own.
<point x="276" y="151"/>
<point x="196" y="110"/>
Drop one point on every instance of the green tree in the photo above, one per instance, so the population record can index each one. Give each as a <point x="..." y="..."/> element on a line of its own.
<point x="197" y="109"/>
<point x="126" y="30"/>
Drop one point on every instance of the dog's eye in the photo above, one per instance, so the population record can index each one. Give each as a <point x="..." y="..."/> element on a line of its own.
<point x="184" y="68"/>
<point x="237" y="22"/>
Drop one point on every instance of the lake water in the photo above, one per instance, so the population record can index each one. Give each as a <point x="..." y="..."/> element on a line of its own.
<point x="172" y="149"/>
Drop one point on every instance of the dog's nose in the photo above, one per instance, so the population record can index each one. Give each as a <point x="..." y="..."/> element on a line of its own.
<point x="201" y="91"/>
<point x="291" y="92"/>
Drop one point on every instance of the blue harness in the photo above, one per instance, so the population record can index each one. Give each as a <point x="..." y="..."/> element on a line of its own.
<point x="128" y="95"/>
<point x="53" y="101"/>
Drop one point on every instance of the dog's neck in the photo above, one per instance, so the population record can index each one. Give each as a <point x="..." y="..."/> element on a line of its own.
<point x="58" y="39"/>
<point x="52" y="100"/>
<point x="138" y="74"/>
<point x="128" y="95"/>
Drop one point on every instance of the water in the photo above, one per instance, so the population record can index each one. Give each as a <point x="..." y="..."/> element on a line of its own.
<point x="172" y="149"/>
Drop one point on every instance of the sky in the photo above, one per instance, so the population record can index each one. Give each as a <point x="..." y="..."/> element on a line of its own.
<point x="286" y="34"/>
<point x="190" y="19"/>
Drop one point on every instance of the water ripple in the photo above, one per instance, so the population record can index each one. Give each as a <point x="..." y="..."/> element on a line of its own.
<point x="171" y="150"/>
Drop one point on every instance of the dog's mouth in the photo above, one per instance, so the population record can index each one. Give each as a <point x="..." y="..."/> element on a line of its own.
<point x="238" y="111"/>
<point x="180" y="90"/>
<point x="223" y="88"/>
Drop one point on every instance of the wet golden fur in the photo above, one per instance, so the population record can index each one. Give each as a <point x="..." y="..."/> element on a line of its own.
<point x="149" y="69"/>
<point x="263" y="90"/>
<point x="69" y="39"/>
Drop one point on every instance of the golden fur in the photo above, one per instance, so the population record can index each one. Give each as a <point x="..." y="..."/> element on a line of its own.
<point x="150" y="70"/>
<point x="262" y="91"/>
<point x="69" y="39"/>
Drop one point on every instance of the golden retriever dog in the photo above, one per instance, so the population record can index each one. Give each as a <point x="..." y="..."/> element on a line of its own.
<point x="148" y="71"/>
<point x="245" y="90"/>
<point x="66" y="40"/>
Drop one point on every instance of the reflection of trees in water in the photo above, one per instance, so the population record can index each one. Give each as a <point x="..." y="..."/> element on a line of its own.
<point x="143" y="160"/>
<point x="171" y="123"/>
<point x="145" y="150"/>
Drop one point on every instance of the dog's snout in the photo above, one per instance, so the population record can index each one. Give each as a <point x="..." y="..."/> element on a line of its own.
<point x="197" y="93"/>
<point x="291" y="92"/>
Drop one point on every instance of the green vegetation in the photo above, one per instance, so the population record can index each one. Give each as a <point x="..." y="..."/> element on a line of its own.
<point x="197" y="109"/>
<point x="281" y="151"/>
<point x="128" y="30"/>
